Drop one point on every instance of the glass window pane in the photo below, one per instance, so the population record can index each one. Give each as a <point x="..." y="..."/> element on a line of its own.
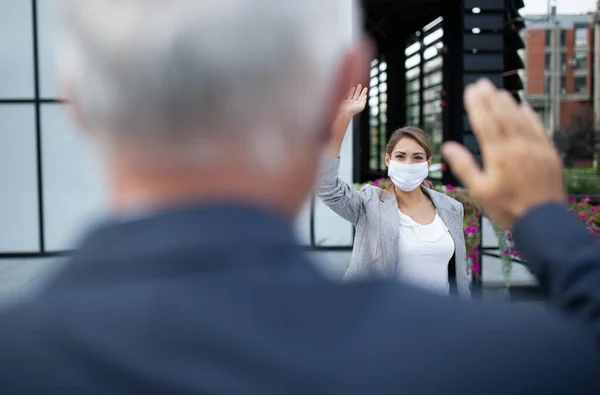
<point x="47" y="29"/>
<point x="412" y="61"/>
<point x="413" y="98"/>
<point x="433" y="36"/>
<point x="415" y="111"/>
<point x="16" y="49"/>
<point x="373" y="152"/>
<point x="19" y="224"/>
<point x="581" y="60"/>
<point x="412" y="73"/>
<point x="74" y="185"/>
<point x="581" y="85"/>
<point x="581" y="36"/>
<point x="382" y="144"/>
<point x="302" y="225"/>
<point x="412" y="49"/>
<point x="413" y="86"/>
<point x="430" y="53"/>
<point x="433" y="79"/>
<point x="433" y="107"/>
<point x="433" y="64"/>
<point x="432" y="93"/>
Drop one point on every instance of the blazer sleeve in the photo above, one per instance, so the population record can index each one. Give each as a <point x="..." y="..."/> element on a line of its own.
<point x="336" y="194"/>
<point x="565" y="257"/>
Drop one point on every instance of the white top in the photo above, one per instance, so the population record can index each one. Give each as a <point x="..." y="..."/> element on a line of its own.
<point x="424" y="252"/>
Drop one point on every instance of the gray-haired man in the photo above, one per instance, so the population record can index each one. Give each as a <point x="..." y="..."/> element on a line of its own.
<point x="211" y="116"/>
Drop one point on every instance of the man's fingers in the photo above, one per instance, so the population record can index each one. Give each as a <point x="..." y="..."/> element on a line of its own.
<point x="481" y="117"/>
<point x="463" y="165"/>
<point x="533" y="124"/>
<point x="507" y="113"/>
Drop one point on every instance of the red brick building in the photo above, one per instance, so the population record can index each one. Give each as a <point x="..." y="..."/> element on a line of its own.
<point x="576" y="51"/>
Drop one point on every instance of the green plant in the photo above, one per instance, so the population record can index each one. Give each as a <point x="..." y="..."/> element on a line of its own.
<point x="579" y="182"/>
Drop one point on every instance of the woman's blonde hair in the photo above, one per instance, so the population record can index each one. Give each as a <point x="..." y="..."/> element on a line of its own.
<point x="416" y="134"/>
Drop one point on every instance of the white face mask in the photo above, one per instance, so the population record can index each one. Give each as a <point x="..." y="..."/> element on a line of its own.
<point x="408" y="177"/>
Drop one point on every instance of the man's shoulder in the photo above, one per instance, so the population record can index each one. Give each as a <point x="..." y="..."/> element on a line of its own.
<point x="388" y="328"/>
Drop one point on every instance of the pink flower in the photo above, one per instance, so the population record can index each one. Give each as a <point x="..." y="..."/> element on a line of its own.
<point x="449" y="187"/>
<point x="593" y="209"/>
<point x="476" y="268"/>
<point x="376" y="183"/>
<point x="474" y="223"/>
<point x="582" y="215"/>
<point x="586" y="199"/>
<point x="470" y="231"/>
<point x="571" y="200"/>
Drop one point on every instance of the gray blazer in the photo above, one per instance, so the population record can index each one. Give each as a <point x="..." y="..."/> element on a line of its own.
<point x="377" y="228"/>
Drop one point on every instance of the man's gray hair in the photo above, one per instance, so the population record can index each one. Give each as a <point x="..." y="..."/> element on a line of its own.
<point x="168" y="69"/>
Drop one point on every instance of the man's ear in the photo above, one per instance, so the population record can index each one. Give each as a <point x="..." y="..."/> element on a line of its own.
<point x="69" y="93"/>
<point x="354" y="70"/>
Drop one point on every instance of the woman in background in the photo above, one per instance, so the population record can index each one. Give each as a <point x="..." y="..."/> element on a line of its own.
<point x="407" y="231"/>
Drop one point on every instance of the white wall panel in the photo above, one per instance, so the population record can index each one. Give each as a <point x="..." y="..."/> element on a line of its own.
<point x="75" y="189"/>
<point x="16" y="50"/>
<point x="303" y="225"/>
<point x="47" y="33"/>
<point x="19" y="220"/>
<point x="492" y="266"/>
<point x="330" y="229"/>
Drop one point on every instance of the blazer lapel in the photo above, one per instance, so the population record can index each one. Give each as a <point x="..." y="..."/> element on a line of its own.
<point x="450" y="217"/>
<point x="386" y="265"/>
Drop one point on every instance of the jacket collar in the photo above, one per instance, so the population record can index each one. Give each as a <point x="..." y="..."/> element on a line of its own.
<point x="440" y="201"/>
<point x="192" y="228"/>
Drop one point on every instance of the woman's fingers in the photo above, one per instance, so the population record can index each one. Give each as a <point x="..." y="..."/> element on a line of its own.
<point x="357" y="92"/>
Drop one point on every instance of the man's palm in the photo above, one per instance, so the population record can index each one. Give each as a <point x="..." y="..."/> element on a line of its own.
<point x="356" y="101"/>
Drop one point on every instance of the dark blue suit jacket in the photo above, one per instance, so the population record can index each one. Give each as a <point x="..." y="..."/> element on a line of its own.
<point x="221" y="300"/>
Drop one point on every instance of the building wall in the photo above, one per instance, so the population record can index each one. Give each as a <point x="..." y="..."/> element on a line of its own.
<point x="535" y="61"/>
<point x="574" y="102"/>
